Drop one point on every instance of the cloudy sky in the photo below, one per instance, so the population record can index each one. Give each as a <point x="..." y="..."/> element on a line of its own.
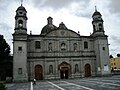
<point x="76" y="15"/>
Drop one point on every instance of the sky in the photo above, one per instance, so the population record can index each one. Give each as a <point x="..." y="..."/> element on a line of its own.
<point x="75" y="14"/>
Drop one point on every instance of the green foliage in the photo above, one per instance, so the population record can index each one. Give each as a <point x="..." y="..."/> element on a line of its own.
<point x="4" y="48"/>
<point x="118" y="55"/>
<point x="2" y="85"/>
<point x="111" y="56"/>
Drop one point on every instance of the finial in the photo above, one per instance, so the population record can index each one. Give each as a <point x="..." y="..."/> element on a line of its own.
<point x="90" y="33"/>
<point x="62" y="26"/>
<point x="30" y="32"/>
<point x="95" y="9"/>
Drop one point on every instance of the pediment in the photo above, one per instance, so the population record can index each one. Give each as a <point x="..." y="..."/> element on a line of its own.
<point x="63" y="33"/>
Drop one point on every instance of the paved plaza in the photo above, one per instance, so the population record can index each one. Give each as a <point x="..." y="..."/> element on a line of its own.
<point x="92" y="83"/>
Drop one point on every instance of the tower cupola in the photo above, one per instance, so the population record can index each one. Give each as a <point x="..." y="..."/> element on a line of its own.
<point x="49" y="19"/>
<point x="97" y="23"/>
<point x="21" y="20"/>
<point x="49" y="27"/>
<point x="96" y="12"/>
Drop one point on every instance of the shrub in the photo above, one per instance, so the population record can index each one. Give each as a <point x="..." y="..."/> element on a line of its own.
<point x="2" y="85"/>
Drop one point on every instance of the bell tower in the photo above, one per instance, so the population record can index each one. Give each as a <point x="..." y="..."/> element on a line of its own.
<point x="21" y="20"/>
<point x="100" y="45"/>
<point x="20" y="72"/>
<point x="98" y="28"/>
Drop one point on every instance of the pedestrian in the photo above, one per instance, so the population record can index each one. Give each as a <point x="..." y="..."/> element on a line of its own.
<point x="34" y="81"/>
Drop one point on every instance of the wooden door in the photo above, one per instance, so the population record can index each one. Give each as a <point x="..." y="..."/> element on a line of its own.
<point x="38" y="72"/>
<point x="65" y="70"/>
<point x="64" y="73"/>
<point x="87" y="70"/>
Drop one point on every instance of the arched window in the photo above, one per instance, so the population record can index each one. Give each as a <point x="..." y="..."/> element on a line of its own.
<point x="100" y="27"/>
<point x="76" y="68"/>
<point x="50" y="69"/>
<point x="19" y="71"/>
<point x="37" y="45"/>
<point x="20" y="23"/>
<point x="85" y="45"/>
<point x="94" y="28"/>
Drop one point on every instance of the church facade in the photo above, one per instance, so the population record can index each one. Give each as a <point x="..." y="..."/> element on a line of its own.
<point x="58" y="52"/>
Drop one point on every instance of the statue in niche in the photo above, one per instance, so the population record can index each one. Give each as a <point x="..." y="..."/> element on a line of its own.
<point x="63" y="46"/>
<point x="50" y="47"/>
<point x="75" y="46"/>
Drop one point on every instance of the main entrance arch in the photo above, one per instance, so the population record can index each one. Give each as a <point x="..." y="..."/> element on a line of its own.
<point x="38" y="72"/>
<point x="65" y="70"/>
<point x="87" y="69"/>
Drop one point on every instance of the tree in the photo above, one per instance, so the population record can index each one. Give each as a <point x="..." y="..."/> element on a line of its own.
<point x="4" y="48"/>
<point x="111" y="56"/>
<point x="4" y="58"/>
<point x="118" y="55"/>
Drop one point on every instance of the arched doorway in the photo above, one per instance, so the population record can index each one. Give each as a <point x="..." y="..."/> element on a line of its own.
<point x="65" y="70"/>
<point x="38" y="72"/>
<point x="87" y="69"/>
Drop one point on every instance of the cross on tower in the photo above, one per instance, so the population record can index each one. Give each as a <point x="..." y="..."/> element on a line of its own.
<point x="95" y="8"/>
<point x="21" y="2"/>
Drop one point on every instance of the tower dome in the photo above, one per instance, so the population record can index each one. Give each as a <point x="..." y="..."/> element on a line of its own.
<point x="21" y="8"/>
<point x="21" y="20"/>
<point x="98" y="28"/>
<point x="96" y="13"/>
